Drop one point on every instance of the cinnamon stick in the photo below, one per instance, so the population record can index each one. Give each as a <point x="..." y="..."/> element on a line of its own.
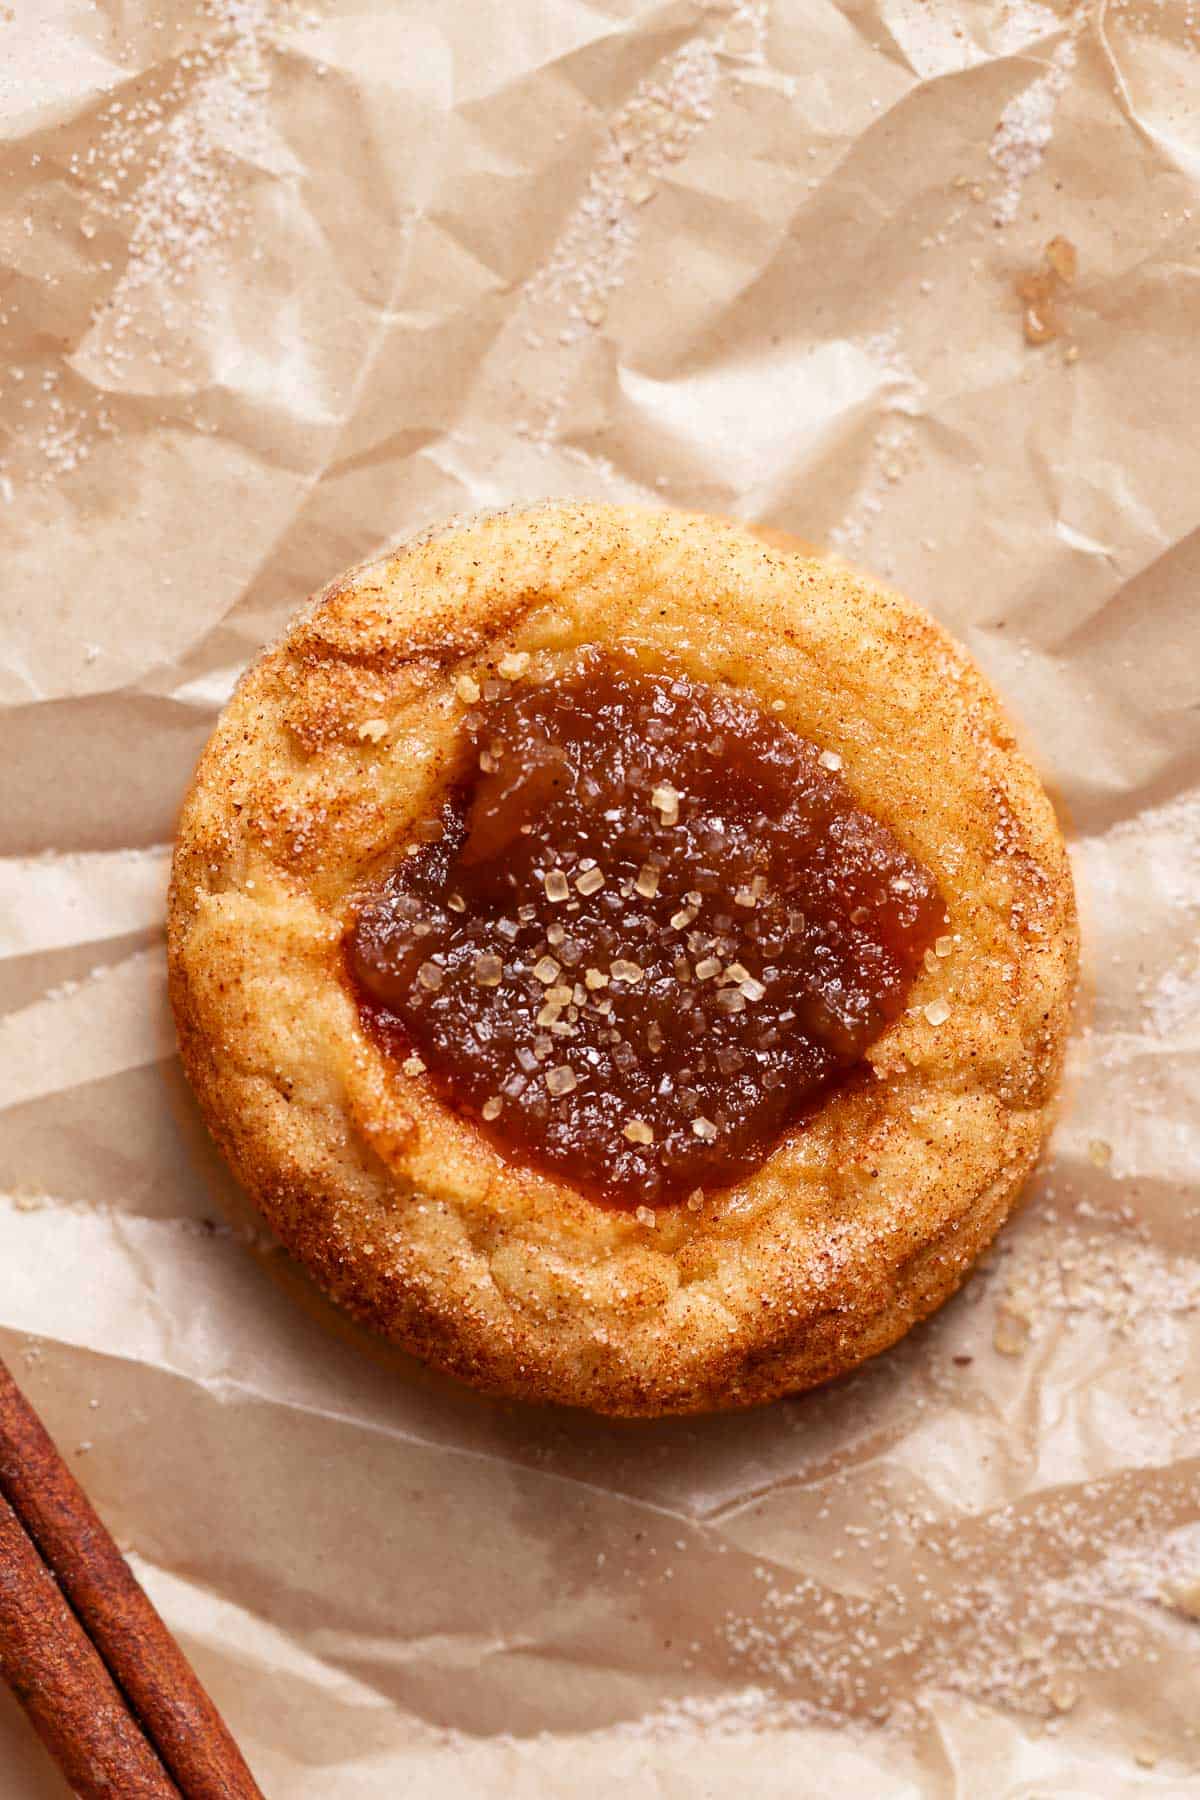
<point x="57" y="1675"/>
<point x="145" y="1661"/>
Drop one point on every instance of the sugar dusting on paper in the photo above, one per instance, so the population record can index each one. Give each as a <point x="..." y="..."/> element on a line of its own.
<point x="568" y="295"/>
<point x="902" y="393"/>
<point x="157" y="194"/>
<point x="1026" y="128"/>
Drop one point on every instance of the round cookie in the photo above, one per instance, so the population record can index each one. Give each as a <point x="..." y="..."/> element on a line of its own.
<point x="862" y="1218"/>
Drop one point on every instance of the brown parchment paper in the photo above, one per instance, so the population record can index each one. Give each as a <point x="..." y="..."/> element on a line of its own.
<point x="278" y="286"/>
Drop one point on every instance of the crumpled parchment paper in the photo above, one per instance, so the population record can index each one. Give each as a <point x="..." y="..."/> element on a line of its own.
<point x="279" y="285"/>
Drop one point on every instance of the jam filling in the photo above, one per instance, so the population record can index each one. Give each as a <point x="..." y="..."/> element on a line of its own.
<point x="648" y="929"/>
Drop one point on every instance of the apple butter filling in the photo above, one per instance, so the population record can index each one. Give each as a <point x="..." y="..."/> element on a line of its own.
<point x="648" y="929"/>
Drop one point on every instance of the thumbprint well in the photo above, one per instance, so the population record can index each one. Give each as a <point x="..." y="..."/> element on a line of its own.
<point x="648" y="928"/>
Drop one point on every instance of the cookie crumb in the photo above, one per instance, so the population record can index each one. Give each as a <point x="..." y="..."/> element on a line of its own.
<point x="1185" y="1599"/>
<point x="1011" y="1334"/>
<point x="1063" y="1696"/>
<point x="1063" y="258"/>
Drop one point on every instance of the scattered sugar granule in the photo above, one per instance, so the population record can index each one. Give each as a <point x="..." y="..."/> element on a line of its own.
<point x="1026" y="127"/>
